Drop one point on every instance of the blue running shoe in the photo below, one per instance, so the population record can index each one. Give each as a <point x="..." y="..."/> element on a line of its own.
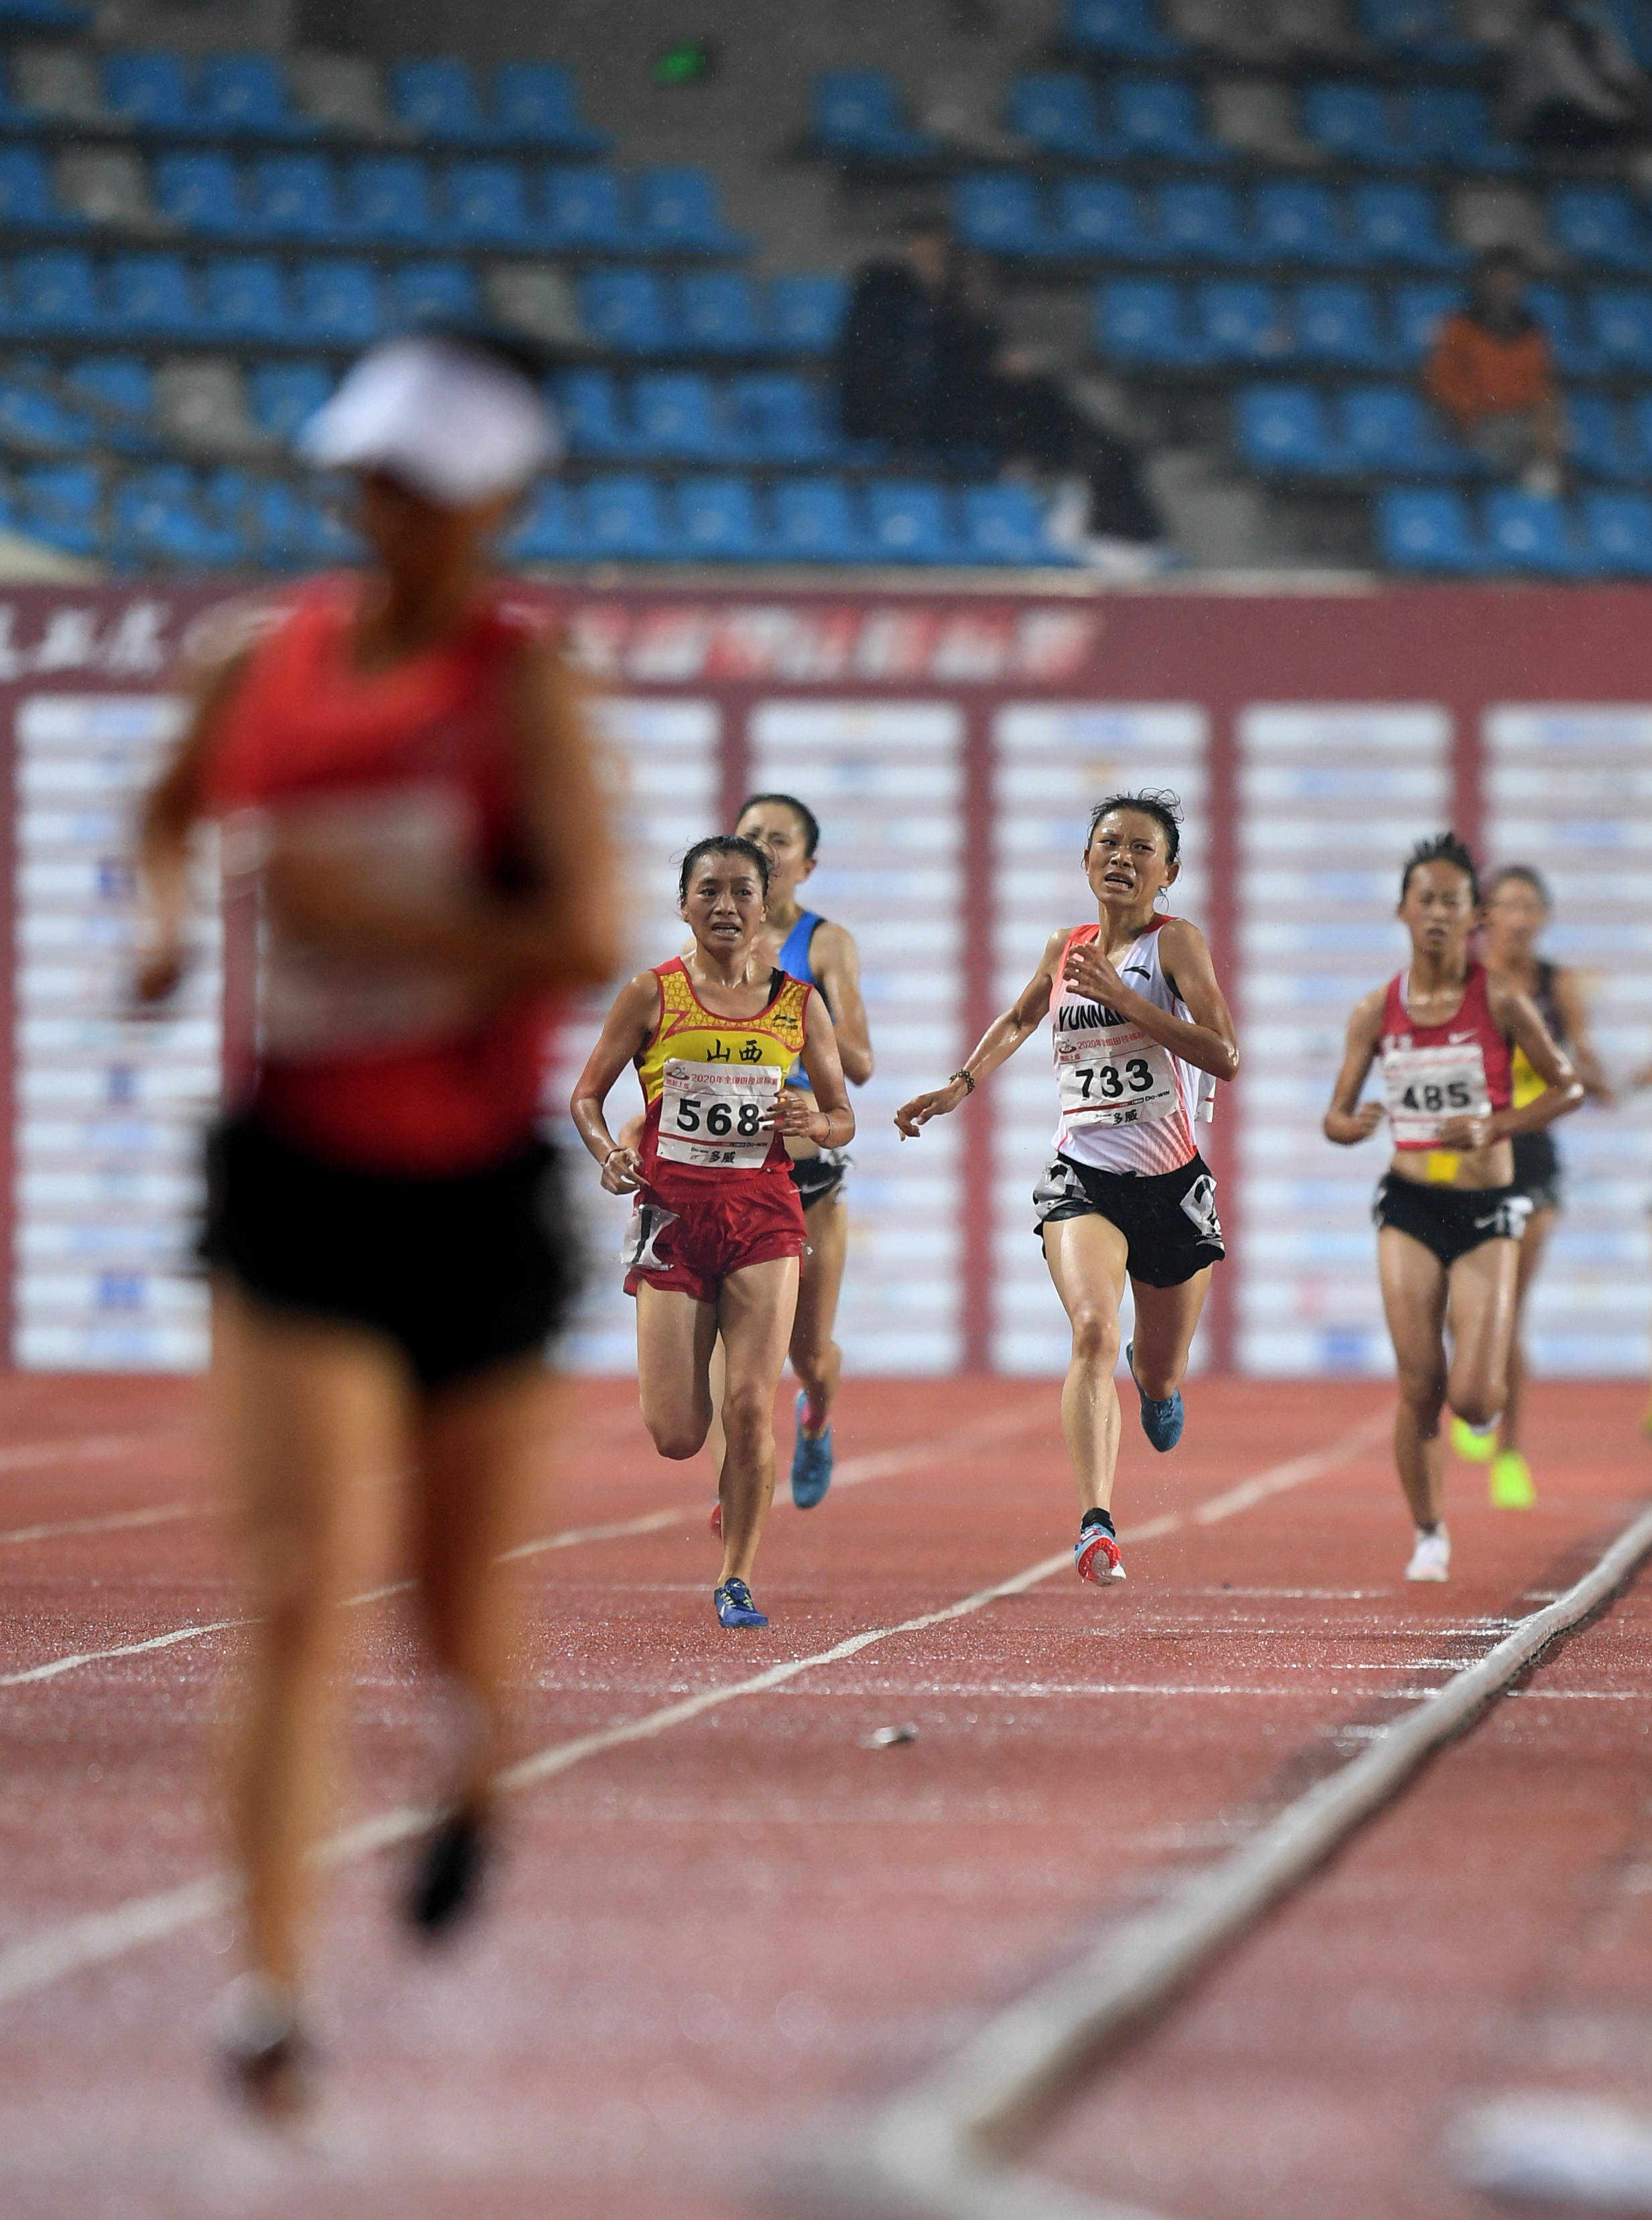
<point x="735" y="1606"/>
<point x="811" y="1461"/>
<point x="1161" y="1422"/>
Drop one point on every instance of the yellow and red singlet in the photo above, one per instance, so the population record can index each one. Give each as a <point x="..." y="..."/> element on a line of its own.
<point x="709" y="1082"/>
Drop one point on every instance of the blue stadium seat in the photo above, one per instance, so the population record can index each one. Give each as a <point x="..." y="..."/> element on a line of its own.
<point x="1297" y="223"/>
<point x="623" y="520"/>
<point x="1575" y="355"/>
<point x="858" y="112"/>
<point x="1125" y="28"/>
<point x="1099" y="215"/>
<point x="906" y="522"/>
<point x="1430" y="530"/>
<point x="152" y="295"/>
<point x="1283" y="427"/>
<point x="1004" y="524"/>
<point x="1159" y="115"/>
<point x="677" y="416"/>
<point x="284" y="395"/>
<point x="776" y="417"/>
<point x="32" y="419"/>
<point x="1389" y="431"/>
<point x="46" y="15"/>
<point x="439" y="98"/>
<point x="293" y="196"/>
<point x="1241" y="322"/>
<point x="1450" y="125"/>
<point x="552" y="528"/>
<point x="59" y="503"/>
<point x="201" y="191"/>
<point x="1618" y="532"/>
<point x="1143" y="320"/>
<point x="717" y="314"/>
<point x="1338" y="324"/>
<point x="591" y="405"/>
<point x="1639" y="428"/>
<point x="717" y="521"/>
<point x="806" y="313"/>
<point x="814" y="522"/>
<point x="1418" y="312"/>
<point x="486" y="205"/>
<point x="1596" y="224"/>
<point x="119" y="393"/>
<point x="1529" y="531"/>
<point x="536" y="103"/>
<point x="149" y="90"/>
<point x="156" y="516"/>
<point x="1001" y="215"/>
<point x="1058" y="114"/>
<point x="1202" y="223"/>
<point x="245" y="92"/>
<point x="387" y="196"/>
<point x="55" y="293"/>
<point x="1595" y="441"/>
<point x="1400" y="223"/>
<point x="27" y="200"/>
<point x="1356" y="123"/>
<point x="1620" y="324"/>
<point x="433" y="293"/>
<point x="336" y="304"/>
<point x="1418" y="30"/>
<point x="244" y="297"/>
<point x="583" y="208"/>
<point x="281" y="528"/>
<point x="677" y="212"/>
<point x="626" y="309"/>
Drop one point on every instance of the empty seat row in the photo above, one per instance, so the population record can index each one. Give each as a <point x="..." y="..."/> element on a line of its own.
<point x="636" y="312"/>
<point x="167" y="513"/>
<point x="800" y="521"/>
<point x="1602" y="535"/>
<point x="1447" y="126"/>
<point x="122" y="403"/>
<point x="1411" y="30"/>
<point x="1151" y="321"/>
<point x="531" y="104"/>
<point x="328" y="303"/>
<point x="767" y="417"/>
<point x="1204" y="221"/>
<point x="1389" y="431"/>
<point x="398" y="197"/>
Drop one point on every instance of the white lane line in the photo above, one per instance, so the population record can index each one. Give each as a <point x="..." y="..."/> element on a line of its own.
<point x="81" y="1449"/>
<point x="49" y="1957"/>
<point x="71" y="1664"/>
<point x="936" y="2147"/>
<point x="112" y="1522"/>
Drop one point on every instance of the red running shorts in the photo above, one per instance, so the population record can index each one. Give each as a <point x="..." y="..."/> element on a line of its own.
<point x="688" y="1234"/>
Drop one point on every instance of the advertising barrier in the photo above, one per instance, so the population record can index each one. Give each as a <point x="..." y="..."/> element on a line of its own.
<point x="952" y="745"/>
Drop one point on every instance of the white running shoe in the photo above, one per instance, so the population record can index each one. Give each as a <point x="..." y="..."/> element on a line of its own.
<point x="1431" y="1558"/>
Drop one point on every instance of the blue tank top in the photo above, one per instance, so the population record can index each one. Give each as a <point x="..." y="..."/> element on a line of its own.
<point x="793" y="956"/>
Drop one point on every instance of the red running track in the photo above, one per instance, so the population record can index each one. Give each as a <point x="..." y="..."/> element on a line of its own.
<point x="741" y="1917"/>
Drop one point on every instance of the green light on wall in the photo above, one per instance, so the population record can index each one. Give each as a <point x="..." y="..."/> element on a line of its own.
<point x="685" y="62"/>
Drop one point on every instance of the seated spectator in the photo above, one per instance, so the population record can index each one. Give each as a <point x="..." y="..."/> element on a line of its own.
<point x="1492" y="376"/>
<point x="1573" y="84"/>
<point x="924" y="366"/>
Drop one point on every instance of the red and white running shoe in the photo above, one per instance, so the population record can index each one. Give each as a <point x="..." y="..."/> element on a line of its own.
<point x="1096" y="1555"/>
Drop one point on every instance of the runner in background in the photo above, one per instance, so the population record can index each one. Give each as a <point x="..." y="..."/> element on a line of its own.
<point x="718" y="1227"/>
<point x="405" y="784"/>
<point x="1449" y="1217"/>
<point x="1141" y="1033"/>
<point x="1518" y="908"/>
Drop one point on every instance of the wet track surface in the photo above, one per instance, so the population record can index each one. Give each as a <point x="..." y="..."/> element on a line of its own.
<point x="705" y="1936"/>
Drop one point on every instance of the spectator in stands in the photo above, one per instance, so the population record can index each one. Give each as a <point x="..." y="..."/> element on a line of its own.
<point x="888" y="354"/>
<point x="1575" y="85"/>
<point x="1492" y="375"/>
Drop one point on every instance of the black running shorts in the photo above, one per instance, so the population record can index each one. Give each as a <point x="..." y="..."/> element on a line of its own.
<point x="463" y="1271"/>
<point x="816" y="1176"/>
<point x="1537" y="1170"/>
<point x="1168" y="1218"/>
<point x="1450" y="1220"/>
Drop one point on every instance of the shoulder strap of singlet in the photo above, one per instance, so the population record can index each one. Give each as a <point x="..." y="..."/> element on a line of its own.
<point x="793" y="956"/>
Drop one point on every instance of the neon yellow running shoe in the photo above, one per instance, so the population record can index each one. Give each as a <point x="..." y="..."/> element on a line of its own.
<point x="1511" y="1487"/>
<point x="1473" y="1445"/>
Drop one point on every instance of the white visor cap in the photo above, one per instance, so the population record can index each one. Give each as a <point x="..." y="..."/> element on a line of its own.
<point x="440" y="416"/>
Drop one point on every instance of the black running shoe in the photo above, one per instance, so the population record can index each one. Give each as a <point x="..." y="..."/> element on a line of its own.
<point x="264" y="2053"/>
<point x="449" y="1873"/>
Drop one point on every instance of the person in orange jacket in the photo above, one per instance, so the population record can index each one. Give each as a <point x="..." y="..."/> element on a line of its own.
<point x="1493" y="377"/>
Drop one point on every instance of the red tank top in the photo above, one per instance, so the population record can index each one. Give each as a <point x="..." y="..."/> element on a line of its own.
<point x="412" y="776"/>
<point x="1431" y="1073"/>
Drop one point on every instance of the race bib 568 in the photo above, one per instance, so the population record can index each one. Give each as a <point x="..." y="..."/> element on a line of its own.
<point x="717" y="1116"/>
